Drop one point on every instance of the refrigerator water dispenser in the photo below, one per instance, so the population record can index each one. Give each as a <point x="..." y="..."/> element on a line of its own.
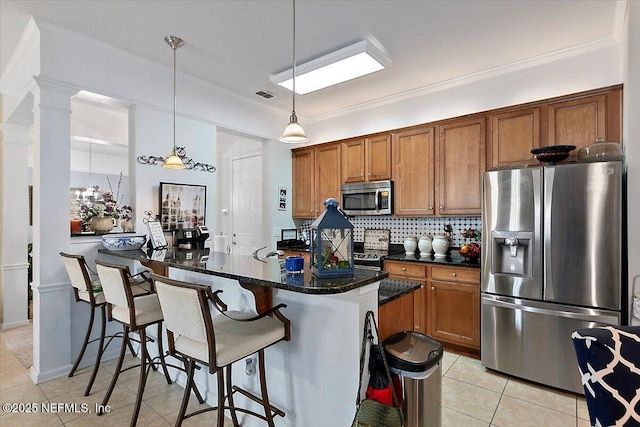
<point x="512" y="253"/>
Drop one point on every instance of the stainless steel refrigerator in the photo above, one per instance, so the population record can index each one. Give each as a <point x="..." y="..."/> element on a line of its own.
<point x="551" y="263"/>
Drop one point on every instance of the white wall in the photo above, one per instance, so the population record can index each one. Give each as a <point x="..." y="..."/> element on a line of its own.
<point x="631" y="135"/>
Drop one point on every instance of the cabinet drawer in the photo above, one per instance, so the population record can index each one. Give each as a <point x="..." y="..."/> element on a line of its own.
<point x="453" y="274"/>
<point x="406" y="269"/>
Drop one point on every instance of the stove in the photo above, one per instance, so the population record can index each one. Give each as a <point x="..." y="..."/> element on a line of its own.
<point x="370" y="259"/>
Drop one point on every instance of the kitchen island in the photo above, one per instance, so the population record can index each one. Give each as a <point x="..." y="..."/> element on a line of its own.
<point x="314" y="377"/>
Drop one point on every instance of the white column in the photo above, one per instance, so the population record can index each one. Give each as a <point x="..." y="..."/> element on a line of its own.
<point x="51" y="286"/>
<point x="14" y="229"/>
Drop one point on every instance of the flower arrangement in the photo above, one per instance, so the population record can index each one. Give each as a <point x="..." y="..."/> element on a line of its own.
<point x="109" y="205"/>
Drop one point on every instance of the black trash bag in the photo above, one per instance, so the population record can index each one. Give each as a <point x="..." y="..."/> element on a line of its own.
<point x="378" y="388"/>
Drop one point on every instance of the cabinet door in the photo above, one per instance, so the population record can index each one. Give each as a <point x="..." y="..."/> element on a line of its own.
<point x="461" y="162"/>
<point x="454" y="313"/>
<point x="412" y="272"/>
<point x="353" y="161"/>
<point x="378" y="165"/>
<point x="303" y="185"/>
<point x="395" y="316"/>
<point x="327" y="175"/>
<point x="513" y="136"/>
<point x="413" y="172"/>
<point x="578" y="122"/>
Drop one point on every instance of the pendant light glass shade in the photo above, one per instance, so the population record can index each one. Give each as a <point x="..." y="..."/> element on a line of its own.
<point x="173" y="162"/>
<point x="294" y="132"/>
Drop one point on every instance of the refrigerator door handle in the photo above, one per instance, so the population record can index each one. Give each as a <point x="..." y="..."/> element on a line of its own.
<point x="587" y="316"/>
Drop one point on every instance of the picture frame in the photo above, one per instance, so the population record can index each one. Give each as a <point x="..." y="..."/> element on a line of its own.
<point x="182" y="205"/>
<point x="289" y="234"/>
<point x="156" y="234"/>
<point x="282" y="198"/>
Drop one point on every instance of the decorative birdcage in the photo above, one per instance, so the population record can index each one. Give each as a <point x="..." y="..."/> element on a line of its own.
<point x="332" y="243"/>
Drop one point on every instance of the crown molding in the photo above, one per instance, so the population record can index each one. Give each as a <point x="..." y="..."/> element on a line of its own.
<point x="29" y="39"/>
<point x="619" y="16"/>
<point x="472" y="77"/>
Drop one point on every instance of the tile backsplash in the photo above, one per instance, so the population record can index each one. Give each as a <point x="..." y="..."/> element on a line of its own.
<point x="403" y="227"/>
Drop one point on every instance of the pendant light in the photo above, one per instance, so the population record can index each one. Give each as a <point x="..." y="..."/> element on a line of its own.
<point x="172" y="161"/>
<point x="178" y="158"/>
<point x="294" y="133"/>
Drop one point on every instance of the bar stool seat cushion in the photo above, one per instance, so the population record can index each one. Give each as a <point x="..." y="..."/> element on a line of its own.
<point x="234" y="339"/>
<point x="147" y="310"/>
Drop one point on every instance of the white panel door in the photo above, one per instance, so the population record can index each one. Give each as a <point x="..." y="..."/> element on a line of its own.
<point x="246" y="205"/>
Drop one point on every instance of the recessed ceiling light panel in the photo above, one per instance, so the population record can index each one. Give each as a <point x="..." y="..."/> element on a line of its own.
<point x="345" y="64"/>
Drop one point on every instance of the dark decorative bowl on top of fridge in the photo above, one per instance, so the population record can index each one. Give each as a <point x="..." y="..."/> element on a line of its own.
<point x="552" y="153"/>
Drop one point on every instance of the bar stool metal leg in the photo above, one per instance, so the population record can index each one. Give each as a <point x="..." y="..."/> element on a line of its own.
<point x="84" y="344"/>
<point x="116" y="373"/>
<point x="190" y="366"/>
<point x="232" y="406"/>
<point x="263" y="388"/>
<point x="161" y="354"/>
<point x="143" y="376"/>
<point x="96" y="366"/>
<point x="220" y="410"/>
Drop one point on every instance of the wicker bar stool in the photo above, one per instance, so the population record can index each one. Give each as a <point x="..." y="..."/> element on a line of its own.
<point x="217" y="342"/>
<point x="135" y="313"/>
<point x="87" y="289"/>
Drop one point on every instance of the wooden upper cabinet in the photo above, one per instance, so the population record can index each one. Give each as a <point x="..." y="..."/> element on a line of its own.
<point x="366" y="159"/>
<point x="413" y="172"/>
<point x="303" y="185"/>
<point x="327" y="175"/>
<point x="378" y="155"/>
<point x="513" y="135"/>
<point x="577" y="122"/>
<point x="353" y="160"/>
<point x="460" y="164"/>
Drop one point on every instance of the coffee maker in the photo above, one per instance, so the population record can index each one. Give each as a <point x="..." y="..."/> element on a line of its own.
<point x="192" y="238"/>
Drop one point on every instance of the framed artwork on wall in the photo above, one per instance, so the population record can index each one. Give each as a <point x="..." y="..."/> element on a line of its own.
<point x="182" y="205"/>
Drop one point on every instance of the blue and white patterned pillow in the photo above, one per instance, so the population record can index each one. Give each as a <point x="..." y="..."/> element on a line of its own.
<point x="609" y="363"/>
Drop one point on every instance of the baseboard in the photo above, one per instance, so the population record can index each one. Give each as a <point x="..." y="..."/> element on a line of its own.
<point x="5" y="326"/>
<point x="40" y="377"/>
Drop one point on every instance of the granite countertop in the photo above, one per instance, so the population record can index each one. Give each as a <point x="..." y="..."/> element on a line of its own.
<point x="268" y="272"/>
<point x="391" y="289"/>
<point x="453" y="259"/>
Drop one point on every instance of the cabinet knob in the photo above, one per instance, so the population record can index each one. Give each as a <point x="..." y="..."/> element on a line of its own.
<point x="454" y="274"/>
<point x="369" y="173"/>
<point x="404" y="268"/>
<point x="441" y="207"/>
<point x="433" y="289"/>
<point x="430" y="208"/>
<point x="361" y="175"/>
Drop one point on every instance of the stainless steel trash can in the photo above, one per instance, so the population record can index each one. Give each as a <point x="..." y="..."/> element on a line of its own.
<point x="418" y="359"/>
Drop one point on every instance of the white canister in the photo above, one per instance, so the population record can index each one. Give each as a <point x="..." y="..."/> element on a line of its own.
<point x="440" y="245"/>
<point x="410" y="245"/>
<point x="425" y="246"/>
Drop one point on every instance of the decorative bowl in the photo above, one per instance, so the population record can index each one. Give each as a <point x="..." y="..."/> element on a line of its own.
<point x="123" y="242"/>
<point x="553" y="153"/>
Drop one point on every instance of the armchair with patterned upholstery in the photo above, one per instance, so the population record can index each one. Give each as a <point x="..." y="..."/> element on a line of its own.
<point x="609" y="364"/>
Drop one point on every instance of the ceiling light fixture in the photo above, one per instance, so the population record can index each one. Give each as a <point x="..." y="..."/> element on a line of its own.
<point x="294" y="133"/>
<point x="350" y="62"/>
<point x="178" y="158"/>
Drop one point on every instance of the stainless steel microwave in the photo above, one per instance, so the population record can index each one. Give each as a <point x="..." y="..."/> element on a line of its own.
<point x="367" y="198"/>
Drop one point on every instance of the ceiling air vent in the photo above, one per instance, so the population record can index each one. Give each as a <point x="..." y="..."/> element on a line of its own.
<point x="264" y="94"/>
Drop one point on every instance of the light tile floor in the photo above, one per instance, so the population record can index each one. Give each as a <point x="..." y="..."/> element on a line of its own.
<point x="471" y="396"/>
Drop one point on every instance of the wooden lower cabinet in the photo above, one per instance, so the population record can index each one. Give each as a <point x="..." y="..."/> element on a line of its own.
<point x="447" y="307"/>
<point x="412" y="272"/>
<point x="453" y="306"/>
<point x="395" y="316"/>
